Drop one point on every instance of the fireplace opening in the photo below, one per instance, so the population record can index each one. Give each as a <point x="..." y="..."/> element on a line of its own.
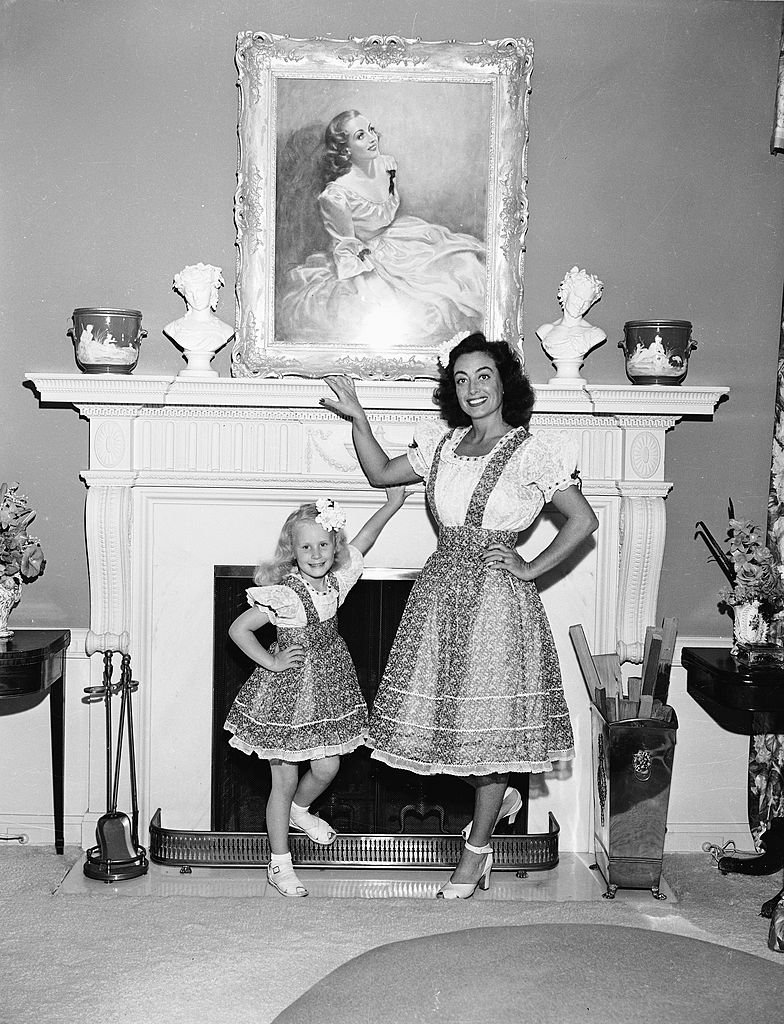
<point x="367" y="797"/>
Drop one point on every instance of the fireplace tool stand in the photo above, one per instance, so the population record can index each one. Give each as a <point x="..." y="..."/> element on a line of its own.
<point x="117" y="854"/>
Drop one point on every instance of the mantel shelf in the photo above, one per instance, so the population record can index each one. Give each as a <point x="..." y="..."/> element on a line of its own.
<point x="414" y="396"/>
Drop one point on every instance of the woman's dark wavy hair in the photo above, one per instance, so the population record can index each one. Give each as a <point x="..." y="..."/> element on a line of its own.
<point x="518" y="401"/>
<point x="337" y="160"/>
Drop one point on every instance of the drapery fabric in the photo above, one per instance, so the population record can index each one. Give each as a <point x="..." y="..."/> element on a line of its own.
<point x="766" y="752"/>
<point x="777" y="138"/>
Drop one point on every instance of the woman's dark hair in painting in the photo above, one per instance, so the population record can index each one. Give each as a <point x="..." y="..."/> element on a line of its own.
<point x="337" y="160"/>
<point x="519" y="397"/>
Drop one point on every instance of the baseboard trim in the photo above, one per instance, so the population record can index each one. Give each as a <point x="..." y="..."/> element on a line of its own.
<point x="689" y="837"/>
<point x="38" y="829"/>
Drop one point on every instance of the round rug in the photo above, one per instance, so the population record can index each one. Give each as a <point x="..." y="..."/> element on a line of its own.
<point x="542" y="974"/>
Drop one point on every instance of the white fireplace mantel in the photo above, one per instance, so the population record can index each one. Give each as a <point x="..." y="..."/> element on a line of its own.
<point x="296" y="393"/>
<point x="185" y="474"/>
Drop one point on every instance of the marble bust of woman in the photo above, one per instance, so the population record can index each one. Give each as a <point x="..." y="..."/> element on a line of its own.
<point x="569" y="338"/>
<point x="199" y="332"/>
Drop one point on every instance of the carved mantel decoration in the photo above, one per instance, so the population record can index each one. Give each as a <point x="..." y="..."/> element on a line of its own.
<point x="187" y="474"/>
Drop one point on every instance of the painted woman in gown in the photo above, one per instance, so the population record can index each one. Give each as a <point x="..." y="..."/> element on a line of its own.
<point x="384" y="274"/>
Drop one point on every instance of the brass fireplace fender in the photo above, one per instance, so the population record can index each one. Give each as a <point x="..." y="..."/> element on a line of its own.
<point x="186" y="849"/>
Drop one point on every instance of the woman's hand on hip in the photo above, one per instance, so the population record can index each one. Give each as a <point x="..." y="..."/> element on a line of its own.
<point x="499" y="556"/>
<point x="344" y="399"/>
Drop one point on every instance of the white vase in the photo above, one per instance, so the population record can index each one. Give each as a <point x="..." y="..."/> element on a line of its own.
<point x="8" y="598"/>
<point x="749" y="627"/>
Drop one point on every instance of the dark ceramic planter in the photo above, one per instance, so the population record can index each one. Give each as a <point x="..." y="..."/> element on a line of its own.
<point x="657" y="351"/>
<point x="106" y="340"/>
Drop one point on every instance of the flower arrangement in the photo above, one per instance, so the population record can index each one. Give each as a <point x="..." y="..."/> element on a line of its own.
<point x="752" y="574"/>
<point x="21" y="556"/>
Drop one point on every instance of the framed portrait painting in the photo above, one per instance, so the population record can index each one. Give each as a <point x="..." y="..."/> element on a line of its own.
<point x="381" y="203"/>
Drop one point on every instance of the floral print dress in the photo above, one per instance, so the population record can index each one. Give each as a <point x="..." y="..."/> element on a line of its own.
<point x="473" y="684"/>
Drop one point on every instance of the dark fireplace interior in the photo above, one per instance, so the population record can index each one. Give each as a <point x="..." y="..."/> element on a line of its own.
<point x="367" y="797"/>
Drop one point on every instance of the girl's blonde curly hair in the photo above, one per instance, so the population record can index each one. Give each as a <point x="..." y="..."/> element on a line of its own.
<point x="280" y="565"/>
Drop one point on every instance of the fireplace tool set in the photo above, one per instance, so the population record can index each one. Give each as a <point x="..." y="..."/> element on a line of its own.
<point x="117" y="854"/>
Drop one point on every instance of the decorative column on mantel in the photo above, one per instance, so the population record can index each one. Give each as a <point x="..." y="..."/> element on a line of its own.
<point x="164" y="431"/>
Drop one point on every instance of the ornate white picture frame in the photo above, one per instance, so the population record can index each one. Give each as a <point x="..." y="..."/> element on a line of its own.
<point x="368" y="274"/>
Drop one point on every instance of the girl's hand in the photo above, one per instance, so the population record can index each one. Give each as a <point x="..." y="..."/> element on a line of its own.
<point x="344" y="399"/>
<point x="288" y="658"/>
<point x="499" y="556"/>
<point x="397" y="495"/>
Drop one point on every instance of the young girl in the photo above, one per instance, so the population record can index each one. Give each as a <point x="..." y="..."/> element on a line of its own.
<point x="303" y="702"/>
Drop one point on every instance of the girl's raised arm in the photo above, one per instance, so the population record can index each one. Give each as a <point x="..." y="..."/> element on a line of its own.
<point x="380" y="470"/>
<point x="368" y="535"/>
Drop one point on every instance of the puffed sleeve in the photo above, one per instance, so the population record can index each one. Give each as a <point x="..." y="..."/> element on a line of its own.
<point x="549" y="462"/>
<point x="347" y="250"/>
<point x="348" y="574"/>
<point x="278" y="602"/>
<point x="427" y="434"/>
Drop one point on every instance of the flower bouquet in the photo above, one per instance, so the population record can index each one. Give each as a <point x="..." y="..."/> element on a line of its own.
<point x="755" y="592"/>
<point x="21" y="557"/>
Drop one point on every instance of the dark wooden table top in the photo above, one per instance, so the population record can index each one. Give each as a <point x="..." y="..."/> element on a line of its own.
<point x="30" y="646"/>
<point x="714" y="673"/>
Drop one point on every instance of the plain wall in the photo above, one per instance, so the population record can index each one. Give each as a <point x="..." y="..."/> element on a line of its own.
<point x="649" y="165"/>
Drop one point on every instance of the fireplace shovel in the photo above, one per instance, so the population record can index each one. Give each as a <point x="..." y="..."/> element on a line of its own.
<point x="117" y="855"/>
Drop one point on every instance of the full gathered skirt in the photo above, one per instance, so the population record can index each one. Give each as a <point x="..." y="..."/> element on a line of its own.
<point x="311" y="712"/>
<point x="424" y="282"/>
<point x="472" y="685"/>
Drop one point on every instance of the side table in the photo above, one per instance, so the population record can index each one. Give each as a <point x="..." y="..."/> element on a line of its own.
<point x="742" y="699"/>
<point x="33" y="661"/>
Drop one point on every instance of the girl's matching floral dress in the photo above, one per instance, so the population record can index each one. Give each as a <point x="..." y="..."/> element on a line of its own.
<point x="473" y="685"/>
<point x="316" y="710"/>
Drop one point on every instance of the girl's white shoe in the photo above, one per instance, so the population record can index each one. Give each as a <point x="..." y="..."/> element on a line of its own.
<point x="465" y="890"/>
<point x="510" y="805"/>
<point x="282" y="876"/>
<point x="315" y="828"/>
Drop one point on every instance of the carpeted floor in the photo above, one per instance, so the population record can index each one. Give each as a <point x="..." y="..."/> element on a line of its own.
<point x="177" y="960"/>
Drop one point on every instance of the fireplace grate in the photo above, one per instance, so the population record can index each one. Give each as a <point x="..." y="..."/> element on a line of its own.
<point x="181" y="848"/>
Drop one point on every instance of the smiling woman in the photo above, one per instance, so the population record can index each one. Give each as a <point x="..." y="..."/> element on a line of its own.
<point x="386" y="277"/>
<point x="473" y="687"/>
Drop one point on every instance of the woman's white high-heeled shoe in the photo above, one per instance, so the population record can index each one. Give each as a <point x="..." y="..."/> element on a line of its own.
<point x="465" y="890"/>
<point x="510" y="805"/>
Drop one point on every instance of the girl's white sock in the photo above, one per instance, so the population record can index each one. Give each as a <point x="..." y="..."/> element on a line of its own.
<point x="297" y="810"/>
<point x="280" y="859"/>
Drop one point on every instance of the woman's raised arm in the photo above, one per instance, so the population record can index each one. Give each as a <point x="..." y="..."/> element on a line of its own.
<point x="380" y="470"/>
